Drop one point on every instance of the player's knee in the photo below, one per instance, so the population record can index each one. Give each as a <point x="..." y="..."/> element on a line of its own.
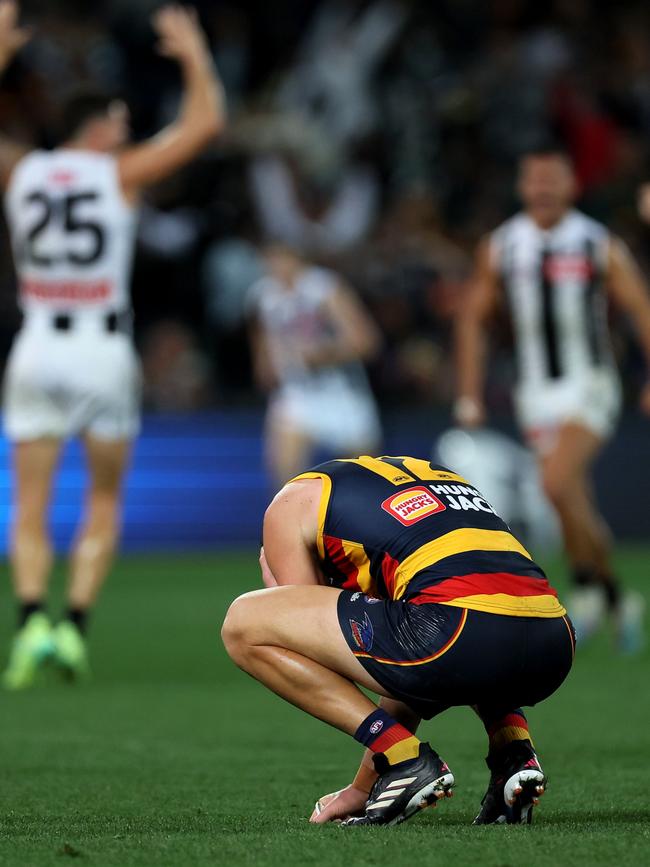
<point x="106" y="483"/>
<point x="234" y="632"/>
<point x="31" y="516"/>
<point x="107" y="463"/>
<point x="103" y="508"/>
<point x="557" y="489"/>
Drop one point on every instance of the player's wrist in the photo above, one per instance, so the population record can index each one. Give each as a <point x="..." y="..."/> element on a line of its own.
<point x="365" y="779"/>
<point x="197" y="58"/>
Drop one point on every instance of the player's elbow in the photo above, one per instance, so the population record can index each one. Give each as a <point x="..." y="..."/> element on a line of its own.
<point x="370" y="345"/>
<point x="199" y="131"/>
<point x="208" y="125"/>
<point x="367" y="344"/>
<point x="212" y="126"/>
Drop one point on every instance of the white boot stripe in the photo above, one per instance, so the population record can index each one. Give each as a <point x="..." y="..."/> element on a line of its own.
<point x="403" y="782"/>
<point x="379" y="806"/>
<point x="391" y="794"/>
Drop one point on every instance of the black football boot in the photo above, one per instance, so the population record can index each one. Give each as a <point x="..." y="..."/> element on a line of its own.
<point x="517" y="782"/>
<point x="405" y="788"/>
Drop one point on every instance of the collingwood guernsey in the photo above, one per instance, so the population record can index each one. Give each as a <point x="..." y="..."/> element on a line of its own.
<point x="554" y="280"/>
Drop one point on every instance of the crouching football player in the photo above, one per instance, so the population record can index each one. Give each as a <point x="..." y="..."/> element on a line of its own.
<point x="431" y="603"/>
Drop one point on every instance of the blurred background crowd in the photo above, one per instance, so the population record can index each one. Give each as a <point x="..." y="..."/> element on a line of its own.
<point x="378" y="137"/>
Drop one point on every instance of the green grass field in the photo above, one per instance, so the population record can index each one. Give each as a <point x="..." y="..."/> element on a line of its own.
<point x="173" y="757"/>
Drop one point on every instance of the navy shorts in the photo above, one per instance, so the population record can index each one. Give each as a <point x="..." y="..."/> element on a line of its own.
<point x="435" y="656"/>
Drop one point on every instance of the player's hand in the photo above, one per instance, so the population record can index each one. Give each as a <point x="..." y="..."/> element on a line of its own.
<point x="644" y="399"/>
<point x="179" y="33"/>
<point x="339" y="805"/>
<point x="268" y="578"/>
<point x="469" y="412"/>
<point x="12" y="36"/>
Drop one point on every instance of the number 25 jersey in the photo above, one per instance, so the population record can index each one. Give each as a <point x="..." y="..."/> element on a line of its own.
<point x="72" y="232"/>
<point x="402" y="528"/>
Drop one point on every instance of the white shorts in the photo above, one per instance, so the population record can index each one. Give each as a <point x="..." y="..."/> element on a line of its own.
<point x="62" y="383"/>
<point x="593" y="401"/>
<point x="341" y="421"/>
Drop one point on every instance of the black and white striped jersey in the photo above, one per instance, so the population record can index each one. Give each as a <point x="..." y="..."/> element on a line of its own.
<point x="555" y="284"/>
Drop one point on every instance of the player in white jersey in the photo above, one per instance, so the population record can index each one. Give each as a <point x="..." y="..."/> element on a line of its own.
<point x="72" y="369"/>
<point x="556" y="270"/>
<point x="310" y="336"/>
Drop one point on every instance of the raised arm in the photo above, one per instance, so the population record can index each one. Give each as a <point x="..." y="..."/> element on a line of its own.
<point x="629" y="290"/>
<point x="12" y="39"/>
<point x="202" y="113"/>
<point x="470" y="339"/>
<point x="355" y="337"/>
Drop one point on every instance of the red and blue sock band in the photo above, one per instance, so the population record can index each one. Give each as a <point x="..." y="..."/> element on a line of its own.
<point x="511" y="727"/>
<point x="382" y="734"/>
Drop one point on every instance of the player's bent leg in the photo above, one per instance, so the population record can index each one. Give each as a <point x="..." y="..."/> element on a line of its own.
<point x="93" y="550"/>
<point x="31" y="549"/>
<point x="565" y="476"/>
<point x="545" y="649"/>
<point x="565" y="479"/>
<point x="31" y="558"/>
<point x="517" y="781"/>
<point x="95" y="545"/>
<point x="290" y="640"/>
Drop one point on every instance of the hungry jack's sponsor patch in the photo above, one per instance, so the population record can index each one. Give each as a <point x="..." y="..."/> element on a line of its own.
<point x="412" y="505"/>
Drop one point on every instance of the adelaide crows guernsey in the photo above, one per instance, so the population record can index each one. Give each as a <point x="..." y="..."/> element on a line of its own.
<point x="403" y="528"/>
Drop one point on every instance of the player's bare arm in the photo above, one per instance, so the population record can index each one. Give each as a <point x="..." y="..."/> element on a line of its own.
<point x="264" y="372"/>
<point x="629" y="290"/>
<point x="355" y="338"/>
<point x="202" y="114"/>
<point x="312" y="668"/>
<point x="290" y="528"/>
<point x="12" y="38"/>
<point x="470" y="338"/>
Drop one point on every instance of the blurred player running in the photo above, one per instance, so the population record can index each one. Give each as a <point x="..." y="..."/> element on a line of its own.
<point x="432" y="604"/>
<point x="72" y="368"/>
<point x="310" y="336"/>
<point x="556" y="269"/>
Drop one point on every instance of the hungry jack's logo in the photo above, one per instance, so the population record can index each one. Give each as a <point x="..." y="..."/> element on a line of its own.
<point x="413" y="505"/>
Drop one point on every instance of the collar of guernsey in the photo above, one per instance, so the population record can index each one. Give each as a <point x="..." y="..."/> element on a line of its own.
<point x="454" y="542"/>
